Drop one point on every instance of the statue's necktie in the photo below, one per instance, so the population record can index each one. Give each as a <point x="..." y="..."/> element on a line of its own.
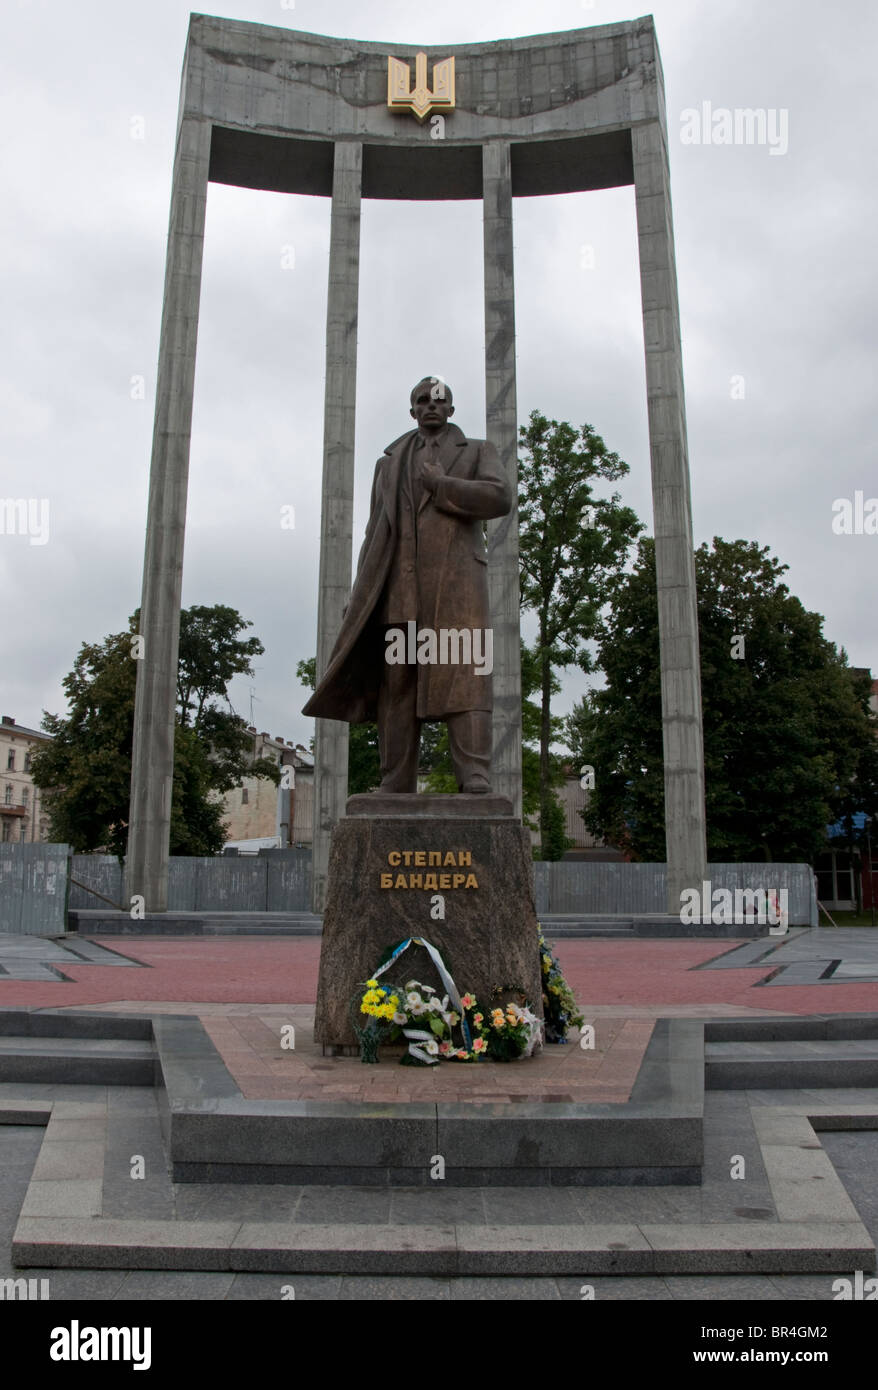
<point x="428" y="454"/>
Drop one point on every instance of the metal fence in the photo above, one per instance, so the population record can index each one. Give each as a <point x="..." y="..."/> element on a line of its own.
<point x="273" y="881"/>
<point x="33" y="889"/>
<point x="35" y="883"/>
<point x="580" y="887"/>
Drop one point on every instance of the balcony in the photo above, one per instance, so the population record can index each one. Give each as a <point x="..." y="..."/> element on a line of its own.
<point x="13" y="809"/>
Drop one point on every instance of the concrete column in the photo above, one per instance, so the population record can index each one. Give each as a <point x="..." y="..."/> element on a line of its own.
<point x="502" y="429"/>
<point x="152" y="764"/>
<point x="675" y="563"/>
<point x="336" y="529"/>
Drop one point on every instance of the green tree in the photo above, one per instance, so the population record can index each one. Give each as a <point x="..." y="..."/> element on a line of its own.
<point x="550" y="823"/>
<point x="573" y="545"/>
<point x="857" y="802"/>
<point x="436" y="756"/>
<point x="85" y="773"/>
<point x="197" y="825"/>
<point x="553" y="838"/>
<point x="788" y="740"/>
<point x="211" y="652"/>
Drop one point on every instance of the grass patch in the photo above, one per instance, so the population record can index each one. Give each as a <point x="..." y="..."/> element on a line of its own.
<point x="849" y="919"/>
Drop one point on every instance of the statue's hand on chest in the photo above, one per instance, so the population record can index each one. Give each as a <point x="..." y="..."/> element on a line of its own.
<point x="430" y="475"/>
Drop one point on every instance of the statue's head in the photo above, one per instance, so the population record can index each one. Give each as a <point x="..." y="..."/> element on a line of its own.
<point x="431" y="402"/>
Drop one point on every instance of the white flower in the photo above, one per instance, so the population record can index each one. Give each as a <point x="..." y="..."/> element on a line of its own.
<point x="400" y="1018"/>
<point x="432" y="1048"/>
<point x="434" y="1006"/>
<point x="416" y="1010"/>
<point x="412" y="999"/>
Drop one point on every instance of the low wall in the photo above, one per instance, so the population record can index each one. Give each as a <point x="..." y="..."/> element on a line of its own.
<point x="279" y="881"/>
<point x="33" y="889"/>
<point x="34" y="885"/>
<point x="581" y="887"/>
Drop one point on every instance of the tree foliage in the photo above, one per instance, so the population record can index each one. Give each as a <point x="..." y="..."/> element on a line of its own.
<point x="572" y="546"/>
<point x="85" y="773"/>
<point x="788" y="739"/>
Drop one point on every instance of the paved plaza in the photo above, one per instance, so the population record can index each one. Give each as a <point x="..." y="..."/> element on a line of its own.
<point x="244" y="992"/>
<point x="811" y="970"/>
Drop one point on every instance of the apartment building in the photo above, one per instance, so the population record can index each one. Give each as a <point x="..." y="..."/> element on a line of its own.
<point x="21" y="814"/>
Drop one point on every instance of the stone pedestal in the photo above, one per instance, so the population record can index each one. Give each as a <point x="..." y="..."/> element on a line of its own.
<point x="394" y="867"/>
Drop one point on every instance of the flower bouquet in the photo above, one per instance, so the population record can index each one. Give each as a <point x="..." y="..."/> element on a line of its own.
<point x="559" y="1005"/>
<point x="510" y="1031"/>
<point x="375" y="1016"/>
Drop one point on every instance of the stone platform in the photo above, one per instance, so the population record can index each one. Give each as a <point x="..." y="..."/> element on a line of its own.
<point x="519" y="1138"/>
<point x="789" y="1214"/>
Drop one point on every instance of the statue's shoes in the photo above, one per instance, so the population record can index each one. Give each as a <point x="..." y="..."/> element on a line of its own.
<point x="476" y="786"/>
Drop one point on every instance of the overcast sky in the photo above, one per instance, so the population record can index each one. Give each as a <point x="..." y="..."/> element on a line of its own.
<point x="775" y="260"/>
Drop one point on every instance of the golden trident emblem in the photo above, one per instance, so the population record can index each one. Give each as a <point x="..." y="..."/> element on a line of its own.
<point x="420" y="100"/>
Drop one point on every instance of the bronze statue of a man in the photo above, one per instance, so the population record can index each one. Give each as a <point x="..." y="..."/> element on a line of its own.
<point x="416" y="641"/>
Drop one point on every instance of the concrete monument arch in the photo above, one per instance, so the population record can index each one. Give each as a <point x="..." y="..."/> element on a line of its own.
<point x="272" y="108"/>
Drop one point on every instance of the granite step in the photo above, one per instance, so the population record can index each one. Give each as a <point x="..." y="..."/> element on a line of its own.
<point x="57" y="1023"/>
<point x="658" y="925"/>
<point x="82" y="1211"/>
<point x="563" y="926"/>
<point x="100" y="922"/>
<point x="77" y="1061"/>
<point x="359" y="1248"/>
<point x="791" y="1063"/>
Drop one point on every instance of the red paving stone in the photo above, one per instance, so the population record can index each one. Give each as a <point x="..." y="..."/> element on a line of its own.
<point x="244" y="989"/>
<point x="230" y="974"/>
<point x="265" y="1070"/>
<point x="662" y="973"/>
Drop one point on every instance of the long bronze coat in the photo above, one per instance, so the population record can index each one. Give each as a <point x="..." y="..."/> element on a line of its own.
<point x="448" y="586"/>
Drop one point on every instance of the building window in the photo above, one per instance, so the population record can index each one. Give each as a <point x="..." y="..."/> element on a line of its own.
<point x="245" y="797"/>
<point x="8" y="793"/>
<point x="10" y="760"/>
<point x="835" y="878"/>
<point x="27" y="761"/>
<point x="25" y="796"/>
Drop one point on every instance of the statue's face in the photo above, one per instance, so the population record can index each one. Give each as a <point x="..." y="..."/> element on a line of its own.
<point x="432" y="406"/>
